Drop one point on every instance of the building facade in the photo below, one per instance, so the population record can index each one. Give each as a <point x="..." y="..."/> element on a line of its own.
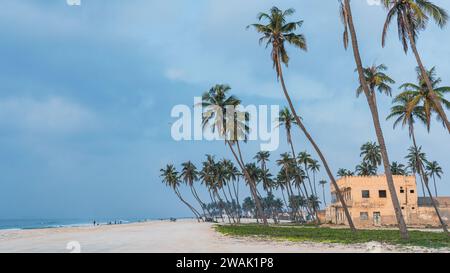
<point x="369" y="202"/>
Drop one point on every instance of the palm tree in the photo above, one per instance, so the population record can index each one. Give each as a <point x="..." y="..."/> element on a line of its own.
<point x="189" y="174"/>
<point x="231" y="125"/>
<point x="419" y="94"/>
<point x="366" y="169"/>
<point x="314" y="166"/>
<point x="371" y="153"/>
<point x="349" y="28"/>
<point x="287" y="120"/>
<point x="412" y="17"/>
<point x="286" y="162"/>
<point x="418" y="160"/>
<point x="275" y="33"/>
<point x="306" y="159"/>
<point x="398" y="168"/>
<point x="171" y="178"/>
<point x="433" y="170"/>
<point x="415" y="157"/>
<point x="262" y="157"/>
<point x="344" y="172"/>
<point x="323" y="183"/>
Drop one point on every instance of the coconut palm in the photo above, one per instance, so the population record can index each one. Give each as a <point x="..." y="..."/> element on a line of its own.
<point x="171" y="178"/>
<point x="189" y="175"/>
<point x="262" y="157"/>
<point x="276" y="32"/>
<point x="419" y="95"/>
<point x="306" y="159"/>
<point x="349" y="28"/>
<point x="418" y="161"/>
<point x="220" y="114"/>
<point x="287" y="120"/>
<point x="366" y="169"/>
<point x="434" y="170"/>
<point x="344" y="172"/>
<point x="398" y="168"/>
<point x="323" y="183"/>
<point x="412" y="17"/>
<point x="371" y="153"/>
<point x="314" y="166"/>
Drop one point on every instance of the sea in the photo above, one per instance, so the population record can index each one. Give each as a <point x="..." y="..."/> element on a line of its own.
<point x="18" y="224"/>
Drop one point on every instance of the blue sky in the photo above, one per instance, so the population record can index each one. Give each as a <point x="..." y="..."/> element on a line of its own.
<point x="86" y="93"/>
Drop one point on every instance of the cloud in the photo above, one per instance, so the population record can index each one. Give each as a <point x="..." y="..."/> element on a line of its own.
<point x="53" y="115"/>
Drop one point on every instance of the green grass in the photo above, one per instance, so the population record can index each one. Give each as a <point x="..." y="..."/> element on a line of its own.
<point x="342" y="235"/>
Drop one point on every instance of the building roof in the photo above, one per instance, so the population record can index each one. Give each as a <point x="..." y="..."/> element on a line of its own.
<point x="440" y="201"/>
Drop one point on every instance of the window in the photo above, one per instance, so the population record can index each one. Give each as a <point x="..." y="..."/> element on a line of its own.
<point x="365" y="194"/>
<point x="403" y="207"/>
<point x="413" y="207"/>
<point x="402" y="190"/>
<point x="382" y="194"/>
<point x="363" y="216"/>
<point x="411" y="191"/>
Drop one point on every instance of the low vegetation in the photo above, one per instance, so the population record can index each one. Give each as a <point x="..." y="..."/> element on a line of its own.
<point x="337" y="235"/>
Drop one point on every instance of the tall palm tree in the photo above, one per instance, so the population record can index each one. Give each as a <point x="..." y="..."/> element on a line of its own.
<point x="415" y="157"/>
<point x="171" y="178"/>
<point x="420" y="95"/>
<point x="286" y="162"/>
<point x="231" y="125"/>
<point x="398" y="168"/>
<point x="349" y="28"/>
<point x="371" y="153"/>
<point x="323" y="183"/>
<point x="418" y="158"/>
<point x="287" y="120"/>
<point x="306" y="159"/>
<point x="314" y="166"/>
<point x="344" y="172"/>
<point x="275" y="33"/>
<point x="189" y="174"/>
<point x="366" y="169"/>
<point x="433" y="170"/>
<point x="412" y="17"/>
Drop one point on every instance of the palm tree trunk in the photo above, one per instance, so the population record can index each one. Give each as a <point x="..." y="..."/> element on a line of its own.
<point x="316" y="148"/>
<point x="198" y="200"/>
<point x="194" y="211"/>
<point x="413" y="137"/>
<point x="376" y="121"/>
<point x="435" y="188"/>
<point x="424" y="179"/>
<point x="223" y="208"/>
<point x="323" y="192"/>
<point x="250" y="182"/>
<point x="238" y="205"/>
<point x="432" y="94"/>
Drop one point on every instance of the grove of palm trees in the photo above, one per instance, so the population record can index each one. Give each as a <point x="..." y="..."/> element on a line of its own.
<point x="289" y="185"/>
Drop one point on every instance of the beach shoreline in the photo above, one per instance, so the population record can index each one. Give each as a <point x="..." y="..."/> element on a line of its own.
<point x="164" y="236"/>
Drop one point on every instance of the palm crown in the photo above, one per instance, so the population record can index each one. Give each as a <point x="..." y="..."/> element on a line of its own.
<point x="377" y="80"/>
<point x="277" y="31"/>
<point x="412" y="14"/>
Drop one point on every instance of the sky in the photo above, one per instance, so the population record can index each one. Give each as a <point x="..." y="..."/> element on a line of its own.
<point x="87" y="90"/>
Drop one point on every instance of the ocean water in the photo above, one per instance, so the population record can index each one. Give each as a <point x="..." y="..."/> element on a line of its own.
<point x="54" y="223"/>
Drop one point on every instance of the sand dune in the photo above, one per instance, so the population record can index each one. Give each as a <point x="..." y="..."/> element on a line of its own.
<point x="183" y="236"/>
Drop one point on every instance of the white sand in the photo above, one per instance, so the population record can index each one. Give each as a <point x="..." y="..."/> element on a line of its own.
<point x="162" y="236"/>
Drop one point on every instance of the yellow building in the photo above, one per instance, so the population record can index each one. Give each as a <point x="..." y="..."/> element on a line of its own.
<point x="369" y="202"/>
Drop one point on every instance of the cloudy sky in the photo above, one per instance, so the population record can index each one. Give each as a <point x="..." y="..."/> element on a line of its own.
<point x="86" y="94"/>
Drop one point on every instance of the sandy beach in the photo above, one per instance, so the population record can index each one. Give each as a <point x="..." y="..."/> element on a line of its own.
<point x="183" y="236"/>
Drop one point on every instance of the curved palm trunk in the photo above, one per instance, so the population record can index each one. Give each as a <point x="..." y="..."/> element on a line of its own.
<point x="213" y="197"/>
<point x="314" y="183"/>
<point x="202" y="205"/>
<point x="376" y="122"/>
<point x="238" y="205"/>
<point x="194" y="211"/>
<point x="413" y="137"/>
<point x="250" y="182"/>
<point x="424" y="179"/>
<point x="433" y="96"/>
<point x="309" y="179"/>
<point x="230" y="214"/>
<point x="323" y="193"/>
<point x="316" y="148"/>
<point x="222" y="207"/>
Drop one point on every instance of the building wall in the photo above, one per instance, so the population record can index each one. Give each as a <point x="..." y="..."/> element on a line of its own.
<point x="376" y="209"/>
